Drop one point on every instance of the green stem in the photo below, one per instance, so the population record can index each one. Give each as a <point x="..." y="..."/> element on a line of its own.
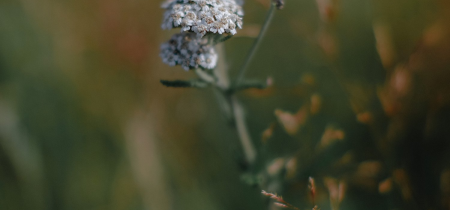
<point x="232" y="108"/>
<point x="205" y="76"/>
<point x="255" y="46"/>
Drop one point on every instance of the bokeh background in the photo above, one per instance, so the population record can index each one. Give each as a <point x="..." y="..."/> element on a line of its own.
<point x="360" y="102"/>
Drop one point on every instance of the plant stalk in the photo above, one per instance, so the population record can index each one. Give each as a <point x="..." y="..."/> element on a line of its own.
<point x="233" y="110"/>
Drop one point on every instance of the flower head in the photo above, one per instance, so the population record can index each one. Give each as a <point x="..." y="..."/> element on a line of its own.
<point x="189" y="51"/>
<point x="203" y="16"/>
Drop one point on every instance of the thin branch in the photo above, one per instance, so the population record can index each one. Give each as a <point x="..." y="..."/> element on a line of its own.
<point x="255" y="46"/>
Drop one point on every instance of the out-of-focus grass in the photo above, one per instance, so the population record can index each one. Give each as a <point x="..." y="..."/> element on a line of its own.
<point x="85" y="123"/>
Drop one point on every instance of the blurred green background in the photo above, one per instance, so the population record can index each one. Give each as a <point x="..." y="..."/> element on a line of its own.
<point x="85" y="123"/>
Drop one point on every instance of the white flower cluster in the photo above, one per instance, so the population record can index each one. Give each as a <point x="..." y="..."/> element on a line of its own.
<point x="203" y="16"/>
<point x="189" y="51"/>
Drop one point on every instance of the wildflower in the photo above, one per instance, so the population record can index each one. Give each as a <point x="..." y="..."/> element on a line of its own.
<point x="201" y="6"/>
<point x="200" y="30"/>
<point x="208" y="60"/>
<point x="189" y="51"/>
<point x="208" y="21"/>
<point x="216" y="14"/>
<point x="236" y="19"/>
<point x="191" y="16"/>
<point x="224" y="22"/>
<point x="217" y="27"/>
<point x="202" y="15"/>
<point x="195" y="15"/>
<point x="176" y="18"/>
<point x="186" y="24"/>
<point x="231" y="28"/>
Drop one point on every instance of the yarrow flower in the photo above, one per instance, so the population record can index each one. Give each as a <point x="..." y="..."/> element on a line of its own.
<point x="203" y="16"/>
<point x="189" y="51"/>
